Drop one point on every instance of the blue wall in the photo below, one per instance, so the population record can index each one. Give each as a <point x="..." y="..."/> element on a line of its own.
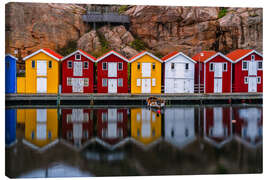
<point x="10" y="81"/>
<point x="11" y="117"/>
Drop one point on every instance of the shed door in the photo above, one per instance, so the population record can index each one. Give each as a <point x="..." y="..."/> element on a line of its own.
<point x="77" y="130"/>
<point x="218" y="85"/>
<point x="146" y="85"/>
<point x="77" y="84"/>
<point x="112" y="69"/>
<point x="112" y="123"/>
<point x="178" y="85"/>
<point x="77" y="70"/>
<point x="112" y="86"/>
<point x="41" y="85"/>
<point x="169" y="86"/>
<point x="41" y="68"/>
<point x="187" y="86"/>
<point x="218" y="69"/>
<point x="77" y="115"/>
<point x="180" y="70"/>
<point x="218" y="129"/>
<point x="252" y="68"/>
<point x="146" y="123"/>
<point x="41" y="131"/>
<point x="146" y="69"/>
<point x="252" y="84"/>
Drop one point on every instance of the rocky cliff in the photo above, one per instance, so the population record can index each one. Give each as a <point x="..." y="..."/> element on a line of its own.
<point x="30" y="26"/>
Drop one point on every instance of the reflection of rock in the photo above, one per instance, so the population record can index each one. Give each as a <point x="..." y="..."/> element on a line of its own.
<point x="89" y="42"/>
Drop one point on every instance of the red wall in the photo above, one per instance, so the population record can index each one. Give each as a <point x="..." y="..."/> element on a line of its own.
<point x="87" y="73"/>
<point x="239" y="75"/>
<point x="197" y="73"/>
<point x="104" y="74"/>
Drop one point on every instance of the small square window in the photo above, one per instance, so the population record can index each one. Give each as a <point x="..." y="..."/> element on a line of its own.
<point x="119" y="132"/>
<point x="259" y="80"/>
<point x="104" y="82"/>
<point x="104" y="116"/>
<point x="252" y="57"/>
<point x="244" y="65"/>
<point x="69" y="64"/>
<point x="120" y="66"/>
<point x="78" y="57"/>
<point x="120" y="116"/>
<point x="153" y="66"/>
<point x="224" y="66"/>
<point x="69" y="81"/>
<point x="138" y="82"/>
<point x="104" y="66"/>
<point x="138" y="65"/>
<point x="120" y="82"/>
<point x="86" y="82"/>
<point x="246" y="80"/>
<point x="187" y="66"/>
<point x="50" y="64"/>
<point x="153" y="82"/>
<point x="85" y="134"/>
<point x="211" y="66"/>
<point x="33" y="64"/>
<point x="172" y="65"/>
<point x="260" y="65"/>
<point x="85" y="65"/>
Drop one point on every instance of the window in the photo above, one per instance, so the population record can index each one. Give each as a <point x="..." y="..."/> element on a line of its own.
<point x="33" y="64"/>
<point x="120" y="82"/>
<point x="86" y="82"/>
<point x="138" y="82"/>
<point x="138" y="66"/>
<point x="49" y="135"/>
<point x="104" y="116"/>
<point x="153" y="66"/>
<point x="246" y="80"/>
<point x="224" y="66"/>
<point x="85" y="134"/>
<point x="252" y="57"/>
<point x="244" y="65"/>
<point x="138" y="117"/>
<point x="259" y="80"/>
<point x="260" y="65"/>
<point x="138" y="132"/>
<point x="69" y="64"/>
<point x="211" y="66"/>
<point x="120" y="66"/>
<point x="85" y="117"/>
<point x="120" y="116"/>
<point x="78" y="57"/>
<point x="69" y="134"/>
<point x="69" y="81"/>
<point x="104" y="82"/>
<point x="104" y="133"/>
<point x="69" y="118"/>
<point x="85" y="65"/>
<point x="172" y="65"/>
<point x="33" y="135"/>
<point x="7" y="64"/>
<point x="104" y="66"/>
<point x="187" y="66"/>
<point x="153" y="82"/>
<point x="119" y="132"/>
<point x="50" y="64"/>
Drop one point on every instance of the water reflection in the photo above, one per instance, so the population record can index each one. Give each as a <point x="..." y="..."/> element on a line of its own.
<point x="133" y="141"/>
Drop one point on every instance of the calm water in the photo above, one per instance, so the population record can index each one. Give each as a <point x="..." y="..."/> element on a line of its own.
<point x="133" y="141"/>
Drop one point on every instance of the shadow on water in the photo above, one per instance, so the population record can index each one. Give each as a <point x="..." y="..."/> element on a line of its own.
<point x="128" y="141"/>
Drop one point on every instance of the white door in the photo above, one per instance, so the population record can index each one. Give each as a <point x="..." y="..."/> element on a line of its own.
<point x="217" y="85"/>
<point x="112" y="86"/>
<point x="169" y="86"/>
<point x="77" y="84"/>
<point x="77" y="115"/>
<point x="178" y="85"/>
<point x="146" y="69"/>
<point x="112" y="69"/>
<point x="112" y="123"/>
<point x="218" y="69"/>
<point x="41" y="68"/>
<point x="41" y="115"/>
<point x="41" y="85"/>
<point x="146" y="123"/>
<point x="252" y="68"/>
<point x="41" y="127"/>
<point x="179" y="70"/>
<point x="218" y="129"/>
<point x="77" y="130"/>
<point x="252" y="84"/>
<point x="77" y="70"/>
<point x="146" y="85"/>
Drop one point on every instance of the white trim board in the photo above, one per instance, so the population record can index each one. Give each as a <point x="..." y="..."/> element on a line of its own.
<point x="146" y="53"/>
<point x="248" y="55"/>
<point x="12" y="56"/>
<point x="110" y="53"/>
<point x="75" y="52"/>
<point x="218" y="54"/>
<point x="180" y="53"/>
<point x="41" y="50"/>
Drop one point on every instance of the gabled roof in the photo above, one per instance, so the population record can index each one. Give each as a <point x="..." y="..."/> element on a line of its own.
<point x="114" y="53"/>
<point x="12" y="56"/>
<point x="208" y="56"/>
<point x="46" y="51"/>
<point x="85" y="54"/>
<point x="175" y="54"/>
<point x="141" y="54"/>
<point x="240" y="54"/>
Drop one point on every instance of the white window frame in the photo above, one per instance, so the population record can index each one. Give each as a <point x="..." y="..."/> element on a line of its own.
<point x="226" y="67"/>
<point x="246" y="80"/>
<point x="103" y="82"/>
<point x="121" y="66"/>
<point x="138" y="65"/>
<point x="118" y="82"/>
<point x="172" y="66"/>
<point x="259" y="80"/>
<point x="210" y="67"/>
<point x="138" y="82"/>
<point x="186" y="66"/>
<point x="104" y="116"/>
<point x="243" y="66"/>
<point x="106" y="66"/>
<point x="69" y="81"/>
<point x="153" y="81"/>
<point x="68" y="64"/>
<point x="85" y="82"/>
<point x="85" y="62"/>
<point x="258" y="65"/>
<point x="80" y="56"/>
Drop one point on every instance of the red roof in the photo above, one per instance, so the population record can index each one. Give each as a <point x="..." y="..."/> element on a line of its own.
<point x="86" y="54"/>
<point x="238" y="53"/>
<point x="136" y="55"/>
<point x="169" y="55"/>
<point x="206" y="55"/>
<point x="52" y="53"/>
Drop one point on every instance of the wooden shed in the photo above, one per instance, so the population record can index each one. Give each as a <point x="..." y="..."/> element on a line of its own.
<point x="145" y="73"/>
<point x="78" y="72"/>
<point x="247" y="70"/>
<point x="41" y="72"/>
<point x="112" y="73"/>
<point x="10" y="74"/>
<point x="213" y="71"/>
<point x="179" y="71"/>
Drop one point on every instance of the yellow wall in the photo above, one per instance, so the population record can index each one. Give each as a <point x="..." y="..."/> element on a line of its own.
<point x="20" y="116"/>
<point x="137" y="74"/>
<point x="136" y="125"/>
<point x="31" y="124"/>
<point x="20" y="84"/>
<point x="31" y="74"/>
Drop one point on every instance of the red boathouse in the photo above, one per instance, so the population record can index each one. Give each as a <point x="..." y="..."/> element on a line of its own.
<point x="78" y="72"/>
<point x="215" y="72"/>
<point x="247" y="70"/>
<point x="112" y="73"/>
